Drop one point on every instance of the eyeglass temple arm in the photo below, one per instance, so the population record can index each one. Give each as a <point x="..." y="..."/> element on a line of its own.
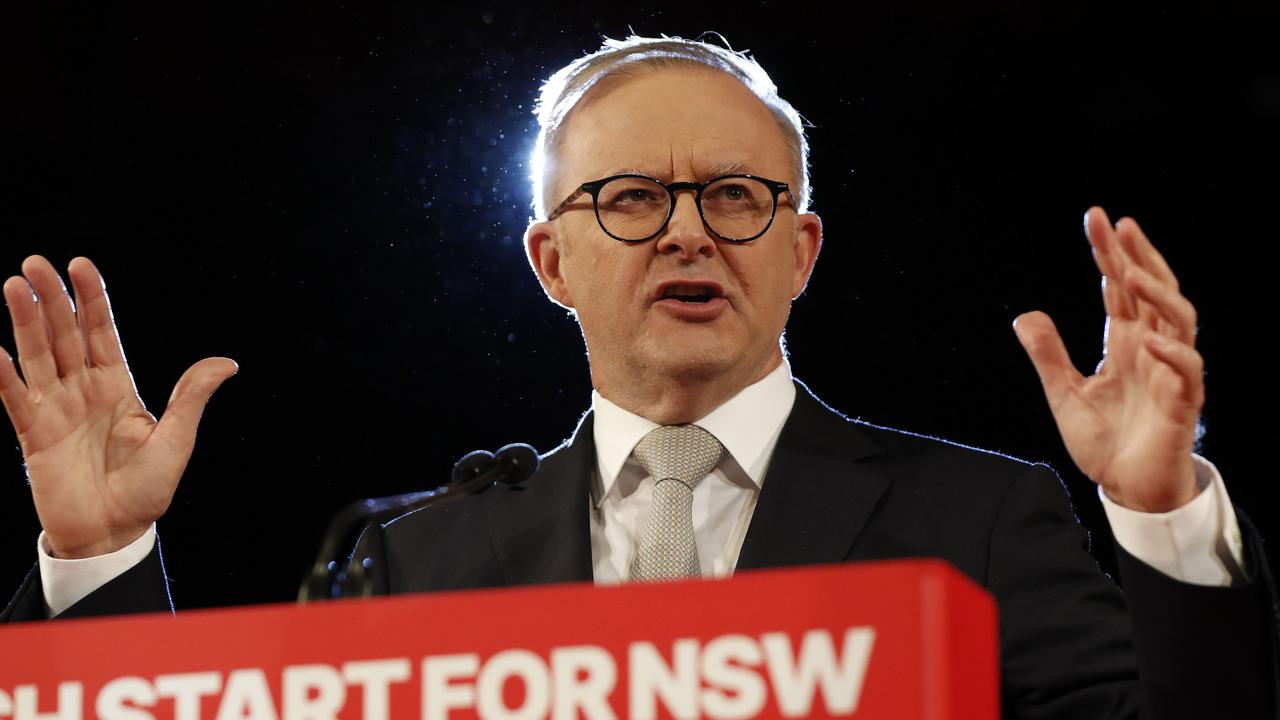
<point x="567" y="202"/>
<point x="785" y="188"/>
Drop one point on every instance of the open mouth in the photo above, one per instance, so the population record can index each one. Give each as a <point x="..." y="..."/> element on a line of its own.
<point x="694" y="294"/>
<point x="689" y="297"/>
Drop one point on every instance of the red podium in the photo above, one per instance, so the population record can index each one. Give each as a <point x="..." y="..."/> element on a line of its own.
<point x="879" y="640"/>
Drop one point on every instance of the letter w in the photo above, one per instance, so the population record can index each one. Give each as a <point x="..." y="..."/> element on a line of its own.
<point x="840" y="679"/>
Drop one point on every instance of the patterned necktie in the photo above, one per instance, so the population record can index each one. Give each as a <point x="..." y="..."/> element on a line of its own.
<point x="678" y="457"/>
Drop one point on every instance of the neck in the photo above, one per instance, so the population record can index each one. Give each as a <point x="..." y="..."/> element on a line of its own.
<point x="675" y="400"/>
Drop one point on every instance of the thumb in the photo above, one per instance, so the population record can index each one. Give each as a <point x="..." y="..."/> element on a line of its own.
<point x="1040" y="338"/>
<point x="177" y="426"/>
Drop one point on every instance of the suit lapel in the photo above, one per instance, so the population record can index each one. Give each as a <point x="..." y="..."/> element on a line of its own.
<point x="817" y="496"/>
<point x="542" y="534"/>
<point x="816" y="500"/>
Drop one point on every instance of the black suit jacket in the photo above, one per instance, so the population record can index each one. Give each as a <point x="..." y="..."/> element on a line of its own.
<point x="839" y="490"/>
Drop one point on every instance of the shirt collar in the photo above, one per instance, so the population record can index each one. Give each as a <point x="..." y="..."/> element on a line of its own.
<point x="747" y="424"/>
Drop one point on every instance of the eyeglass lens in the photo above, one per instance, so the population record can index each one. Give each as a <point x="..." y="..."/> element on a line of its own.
<point x="734" y="208"/>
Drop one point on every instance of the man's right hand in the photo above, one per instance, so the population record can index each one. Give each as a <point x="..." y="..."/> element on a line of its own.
<point x="102" y="468"/>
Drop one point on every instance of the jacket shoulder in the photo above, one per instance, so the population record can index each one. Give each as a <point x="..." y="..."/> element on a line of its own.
<point x="912" y="456"/>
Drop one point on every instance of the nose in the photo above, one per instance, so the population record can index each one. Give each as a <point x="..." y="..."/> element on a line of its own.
<point x="685" y="234"/>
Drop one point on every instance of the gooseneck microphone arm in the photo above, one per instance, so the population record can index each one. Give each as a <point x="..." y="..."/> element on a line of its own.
<point x="477" y="471"/>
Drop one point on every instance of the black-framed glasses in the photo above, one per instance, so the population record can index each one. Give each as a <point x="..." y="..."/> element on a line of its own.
<point x="635" y="208"/>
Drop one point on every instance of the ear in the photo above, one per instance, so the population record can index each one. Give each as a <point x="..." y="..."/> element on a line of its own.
<point x="807" y="243"/>
<point x="544" y="244"/>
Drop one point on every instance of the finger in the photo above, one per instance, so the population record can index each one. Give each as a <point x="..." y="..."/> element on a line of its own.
<point x="59" y="315"/>
<point x="1178" y="312"/>
<point x="1139" y="248"/>
<point x="1139" y="255"/>
<point x="101" y="340"/>
<point x="177" y="427"/>
<point x="1110" y="261"/>
<point x="1146" y="315"/>
<point x="29" y="334"/>
<point x="1040" y="338"/>
<point x="1186" y="362"/>
<point x="1097" y="229"/>
<point x="1113" y="298"/>
<point x="13" y="394"/>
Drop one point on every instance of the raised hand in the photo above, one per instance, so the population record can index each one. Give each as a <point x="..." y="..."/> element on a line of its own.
<point x="1131" y="426"/>
<point x="102" y="469"/>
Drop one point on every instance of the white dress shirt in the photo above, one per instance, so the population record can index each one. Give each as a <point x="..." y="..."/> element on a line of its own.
<point x="747" y="425"/>
<point x="1197" y="543"/>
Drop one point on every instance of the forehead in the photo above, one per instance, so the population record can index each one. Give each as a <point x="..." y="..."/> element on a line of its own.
<point x="683" y="121"/>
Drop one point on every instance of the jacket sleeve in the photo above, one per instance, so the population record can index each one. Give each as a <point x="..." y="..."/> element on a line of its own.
<point x="1220" y="640"/>
<point x="1073" y="646"/>
<point x="140" y="589"/>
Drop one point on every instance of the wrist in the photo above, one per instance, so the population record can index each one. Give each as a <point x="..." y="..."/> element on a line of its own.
<point x="62" y="549"/>
<point x="1156" y="497"/>
<point x="1152" y="503"/>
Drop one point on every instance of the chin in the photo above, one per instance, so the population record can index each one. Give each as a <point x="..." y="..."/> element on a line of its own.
<point x="693" y="365"/>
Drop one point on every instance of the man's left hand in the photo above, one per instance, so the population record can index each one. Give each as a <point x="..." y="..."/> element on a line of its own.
<point x="1131" y="426"/>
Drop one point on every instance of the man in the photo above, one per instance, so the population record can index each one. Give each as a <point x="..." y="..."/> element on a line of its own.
<point x="671" y="186"/>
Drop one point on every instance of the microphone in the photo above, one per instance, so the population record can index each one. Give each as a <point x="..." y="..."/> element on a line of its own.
<point x="474" y="473"/>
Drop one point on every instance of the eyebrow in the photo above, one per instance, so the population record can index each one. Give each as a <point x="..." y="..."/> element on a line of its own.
<point x="729" y="167"/>
<point x="633" y="171"/>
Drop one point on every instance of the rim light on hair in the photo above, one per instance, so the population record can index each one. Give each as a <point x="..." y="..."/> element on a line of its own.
<point x="630" y="57"/>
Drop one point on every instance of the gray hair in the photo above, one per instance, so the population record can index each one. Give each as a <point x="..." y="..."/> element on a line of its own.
<point x="627" y="58"/>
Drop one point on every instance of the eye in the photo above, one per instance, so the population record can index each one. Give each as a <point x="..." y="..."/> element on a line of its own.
<point x="635" y="195"/>
<point x="739" y="194"/>
<point x="632" y="194"/>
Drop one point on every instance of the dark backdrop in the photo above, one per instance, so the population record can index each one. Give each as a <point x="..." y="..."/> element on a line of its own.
<point x="335" y="197"/>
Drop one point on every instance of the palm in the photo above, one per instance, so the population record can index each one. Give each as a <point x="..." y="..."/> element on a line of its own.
<point x="1131" y="426"/>
<point x="101" y="467"/>
<point x="95" y="424"/>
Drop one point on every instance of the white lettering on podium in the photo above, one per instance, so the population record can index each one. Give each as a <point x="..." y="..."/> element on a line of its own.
<point x="729" y="676"/>
<point x="580" y="680"/>
<point x="839" y="679"/>
<point x="246" y="696"/>
<point x="583" y="677"/>
<point x="722" y="669"/>
<point x="70" y="703"/>
<point x="438" y="694"/>
<point x="650" y="678"/>
<point x="186" y="690"/>
<point x="508" y="664"/>
<point x="312" y="692"/>
<point x="134" y="690"/>
<point x="374" y="678"/>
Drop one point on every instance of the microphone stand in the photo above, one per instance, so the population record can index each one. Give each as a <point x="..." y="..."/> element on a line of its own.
<point x="474" y="473"/>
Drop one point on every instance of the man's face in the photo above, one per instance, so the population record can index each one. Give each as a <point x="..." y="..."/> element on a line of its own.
<point x="674" y="125"/>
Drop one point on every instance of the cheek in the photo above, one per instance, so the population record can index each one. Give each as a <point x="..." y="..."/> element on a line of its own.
<point x="599" y="286"/>
<point x="767" y="280"/>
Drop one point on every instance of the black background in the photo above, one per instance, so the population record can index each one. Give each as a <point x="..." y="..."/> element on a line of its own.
<point x="335" y="197"/>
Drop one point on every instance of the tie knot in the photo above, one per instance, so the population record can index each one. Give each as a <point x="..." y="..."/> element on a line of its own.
<point x="679" y="452"/>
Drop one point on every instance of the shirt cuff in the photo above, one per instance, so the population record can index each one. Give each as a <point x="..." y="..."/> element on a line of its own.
<point x="1198" y="543"/>
<point x="67" y="582"/>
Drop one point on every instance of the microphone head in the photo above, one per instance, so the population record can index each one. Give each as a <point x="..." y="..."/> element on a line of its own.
<point x="472" y="464"/>
<point x="521" y="461"/>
